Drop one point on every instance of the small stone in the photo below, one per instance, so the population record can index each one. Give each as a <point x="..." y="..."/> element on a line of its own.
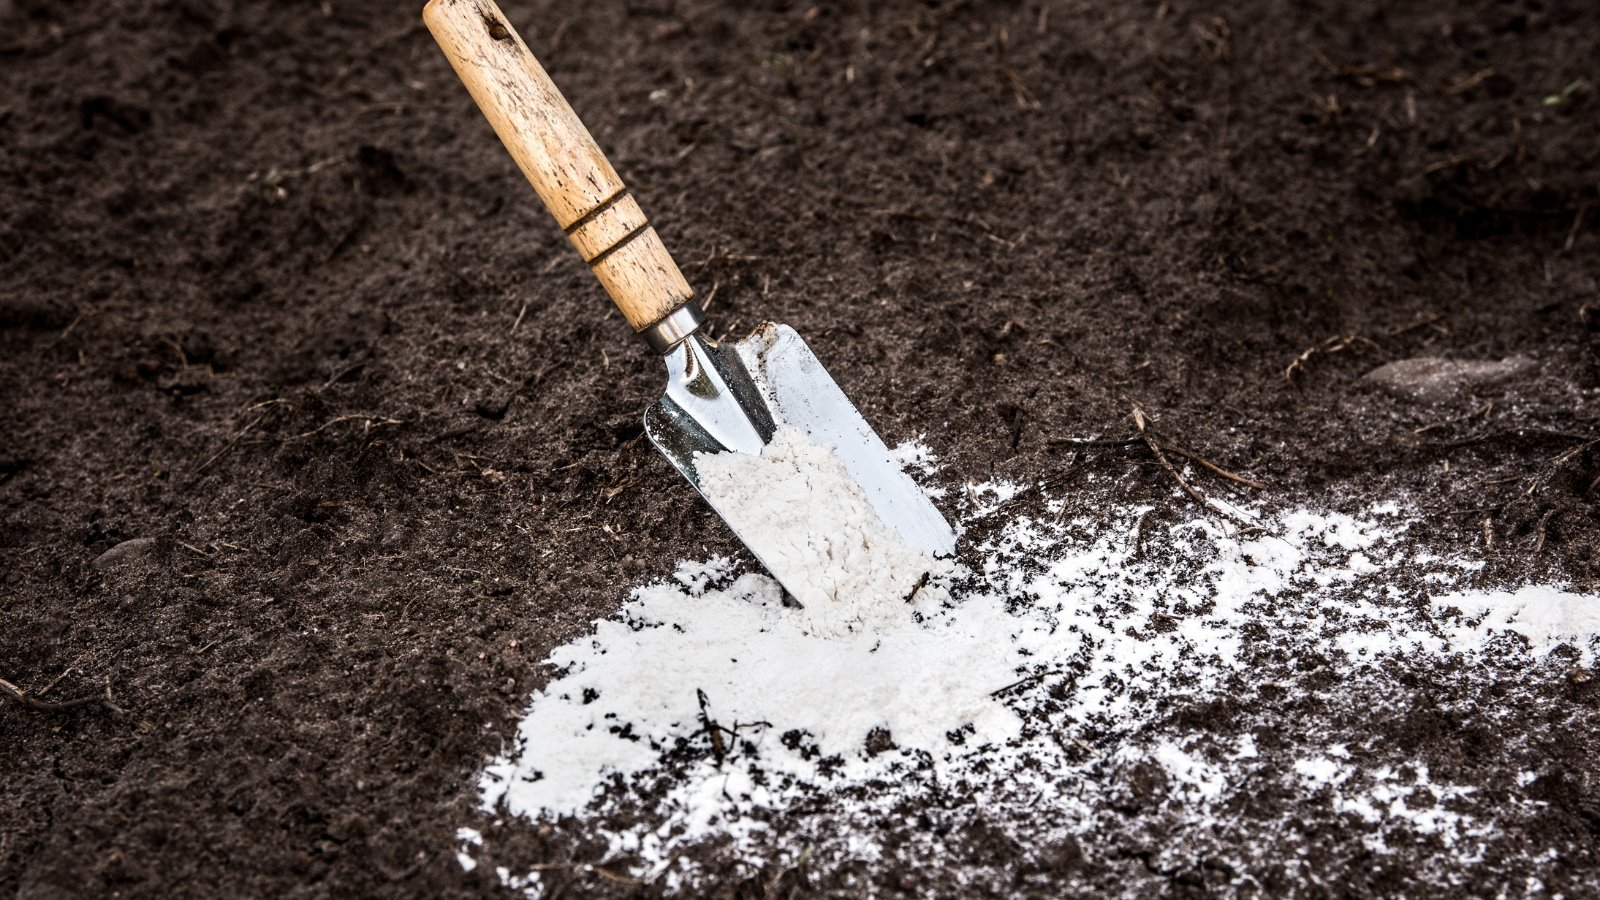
<point x="124" y="553"/>
<point x="1432" y="379"/>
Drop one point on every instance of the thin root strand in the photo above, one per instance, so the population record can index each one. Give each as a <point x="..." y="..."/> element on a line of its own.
<point x="28" y="701"/>
<point x="1167" y="466"/>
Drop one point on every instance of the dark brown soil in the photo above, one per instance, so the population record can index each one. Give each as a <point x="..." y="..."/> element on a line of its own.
<point x="274" y="301"/>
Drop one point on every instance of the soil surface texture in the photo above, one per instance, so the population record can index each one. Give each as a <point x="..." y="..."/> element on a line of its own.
<point x="317" y="437"/>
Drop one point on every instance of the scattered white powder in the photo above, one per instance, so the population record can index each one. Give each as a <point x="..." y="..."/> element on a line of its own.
<point x="468" y="838"/>
<point x="1200" y="778"/>
<point x="1320" y="771"/>
<point x="1546" y="616"/>
<point x="916" y="457"/>
<point x="755" y="661"/>
<point x="1385" y="798"/>
<point x="1030" y="685"/>
<point x="987" y="498"/>
<point x="814" y="528"/>
<point x="919" y="459"/>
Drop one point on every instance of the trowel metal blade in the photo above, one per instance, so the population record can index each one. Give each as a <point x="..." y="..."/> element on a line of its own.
<point x="732" y="397"/>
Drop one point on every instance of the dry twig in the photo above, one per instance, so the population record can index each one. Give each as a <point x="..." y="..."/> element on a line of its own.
<point x="1166" y="466"/>
<point x="1453" y="420"/>
<point x="1538" y="540"/>
<point x="28" y="701"/>
<point x="1572" y="234"/>
<point x="1423" y="322"/>
<point x="367" y="423"/>
<point x="1331" y="345"/>
<point x="229" y="446"/>
<point x="1470" y="82"/>
<point x="1213" y="467"/>
<point x="1554" y="465"/>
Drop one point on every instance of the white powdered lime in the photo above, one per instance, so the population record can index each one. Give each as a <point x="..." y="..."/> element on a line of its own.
<point x="814" y="528"/>
<point x="1084" y="681"/>
<point x="1546" y="615"/>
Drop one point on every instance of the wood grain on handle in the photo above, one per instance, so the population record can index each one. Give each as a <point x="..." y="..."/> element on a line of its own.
<point x="560" y="158"/>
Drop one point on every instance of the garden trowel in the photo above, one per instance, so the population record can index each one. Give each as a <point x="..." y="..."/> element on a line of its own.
<point x="727" y="397"/>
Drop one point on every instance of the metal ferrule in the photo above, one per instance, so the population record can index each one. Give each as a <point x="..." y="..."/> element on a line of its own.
<point x="677" y="325"/>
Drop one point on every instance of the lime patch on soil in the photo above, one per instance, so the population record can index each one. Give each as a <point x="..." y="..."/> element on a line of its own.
<point x="1059" y="691"/>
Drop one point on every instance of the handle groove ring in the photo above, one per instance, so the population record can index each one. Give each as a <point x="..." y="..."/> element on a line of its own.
<point x="600" y="257"/>
<point x="598" y="211"/>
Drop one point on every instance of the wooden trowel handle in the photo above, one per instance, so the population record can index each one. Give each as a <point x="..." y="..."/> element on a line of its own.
<point x="560" y="158"/>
